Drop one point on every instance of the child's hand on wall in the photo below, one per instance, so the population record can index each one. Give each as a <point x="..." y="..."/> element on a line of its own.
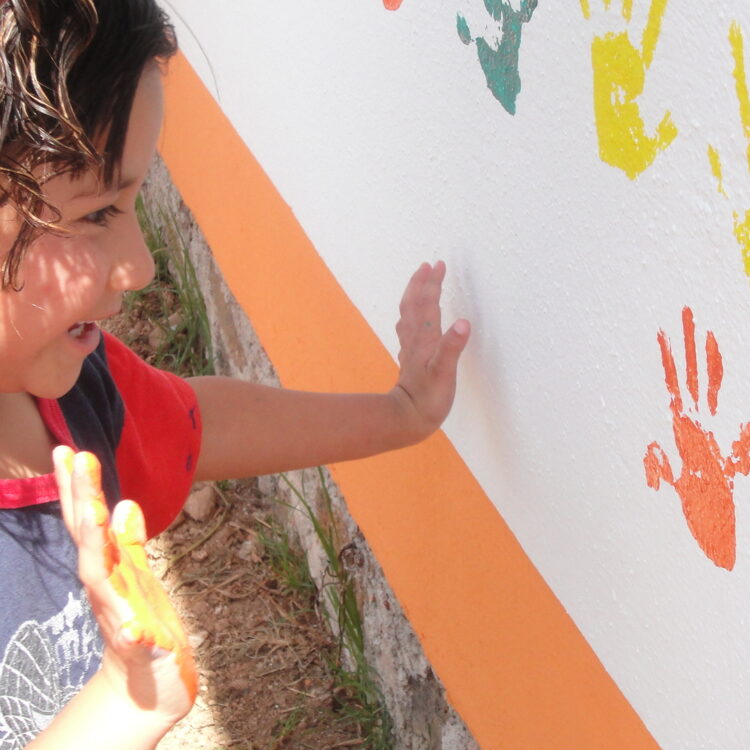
<point x="147" y="658"/>
<point x="428" y="357"/>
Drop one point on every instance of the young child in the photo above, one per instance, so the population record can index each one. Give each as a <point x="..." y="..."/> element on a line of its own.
<point x="91" y="652"/>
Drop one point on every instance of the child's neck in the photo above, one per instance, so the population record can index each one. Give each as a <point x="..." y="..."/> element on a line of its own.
<point x="25" y="444"/>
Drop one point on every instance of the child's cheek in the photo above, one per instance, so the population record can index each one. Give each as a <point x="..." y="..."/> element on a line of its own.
<point x="67" y="269"/>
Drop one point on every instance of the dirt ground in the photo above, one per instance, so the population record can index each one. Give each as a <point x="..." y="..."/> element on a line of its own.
<point x="262" y="652"/>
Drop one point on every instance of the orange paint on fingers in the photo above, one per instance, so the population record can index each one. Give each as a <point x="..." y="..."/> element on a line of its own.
<point x="392" y="4"/>
<point x="154" y="621"/>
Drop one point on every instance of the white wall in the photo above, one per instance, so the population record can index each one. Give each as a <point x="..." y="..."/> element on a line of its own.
<point x="379" y="130"/>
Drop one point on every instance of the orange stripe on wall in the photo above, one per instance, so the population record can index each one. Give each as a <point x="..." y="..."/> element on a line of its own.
<point x="514" y="665"/>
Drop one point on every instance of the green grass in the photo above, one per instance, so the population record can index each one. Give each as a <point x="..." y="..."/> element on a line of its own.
<point x="185" y="344"/>
<point x="288" y="726"/>
<point x="289" y="564"/>
<point x="357" y="697"/>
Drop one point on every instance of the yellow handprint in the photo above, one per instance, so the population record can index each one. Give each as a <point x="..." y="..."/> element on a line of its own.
<point x="619" y="79"/>
<point x="741" y="224"/>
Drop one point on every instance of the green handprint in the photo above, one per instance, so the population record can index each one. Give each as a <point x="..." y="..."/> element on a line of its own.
<point x="500" y="63"/>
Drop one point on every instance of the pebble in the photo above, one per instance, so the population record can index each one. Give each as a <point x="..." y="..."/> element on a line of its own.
<point x="201" y="501"/>
<point x="197" y="638"/>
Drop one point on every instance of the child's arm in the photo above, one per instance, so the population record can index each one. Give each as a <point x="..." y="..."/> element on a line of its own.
<point x="250" y="429"/>
<point x="147" y="680"/>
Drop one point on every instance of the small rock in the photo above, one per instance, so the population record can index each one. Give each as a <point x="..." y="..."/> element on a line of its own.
<point x="157" y="338"/>
<point x="249" y="550"/>
<point x="175" y="320"/>
<point x="197" y="638"/>
<point x="200" y="503"/>
<point x="199" y="555"/>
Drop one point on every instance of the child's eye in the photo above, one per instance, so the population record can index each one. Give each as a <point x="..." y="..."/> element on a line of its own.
<point x="102" y="216"/>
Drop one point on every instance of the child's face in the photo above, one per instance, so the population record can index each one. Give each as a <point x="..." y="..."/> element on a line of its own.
<point x="46" y="329"/>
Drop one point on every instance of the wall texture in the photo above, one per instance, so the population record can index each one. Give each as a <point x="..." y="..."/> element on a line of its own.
<point x="574" y="551"/>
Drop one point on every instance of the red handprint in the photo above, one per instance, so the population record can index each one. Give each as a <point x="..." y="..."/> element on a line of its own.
<point x="706" y="484"/>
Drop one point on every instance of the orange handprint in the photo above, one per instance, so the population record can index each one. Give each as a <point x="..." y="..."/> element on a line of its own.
<point x="706" y="483"/>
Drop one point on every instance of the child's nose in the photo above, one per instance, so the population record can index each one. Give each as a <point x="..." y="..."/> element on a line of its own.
<point x="133" y="266"/>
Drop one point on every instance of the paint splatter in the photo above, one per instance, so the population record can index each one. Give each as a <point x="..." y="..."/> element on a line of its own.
<point x="464" y="34"/>
<point x="715" y="161"/>
<point x="741" y="222"/>
<point x="500" y="61"/>
<point x="706" y="483"/>
<point x="392" y="4"/>
<point x="619" y="80"/>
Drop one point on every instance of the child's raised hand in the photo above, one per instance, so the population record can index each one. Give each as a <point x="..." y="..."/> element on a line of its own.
<point x="428" y="357"/>
<point x="147" y="656"/>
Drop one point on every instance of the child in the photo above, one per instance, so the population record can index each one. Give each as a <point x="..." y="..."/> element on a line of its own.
<point x="91" y="652"/>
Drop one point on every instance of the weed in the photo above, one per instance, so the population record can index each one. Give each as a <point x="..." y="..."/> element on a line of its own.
<point x="289" y="564"/>
<point x="184" y="343"/>
<point x="287" y="727"/>
<point x="357" y="697"/>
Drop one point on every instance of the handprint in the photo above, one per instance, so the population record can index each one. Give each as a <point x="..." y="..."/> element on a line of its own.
<point x="500" y="61"/>
<point x="741" y="224"/>
<point x="619" y="80"/>
<point x="706" y="483"/>
<point x="392" y="4"/>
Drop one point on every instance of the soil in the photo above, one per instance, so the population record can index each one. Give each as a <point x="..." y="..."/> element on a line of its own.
<point x="262" y="652"/>
<point x="261" y="649"/>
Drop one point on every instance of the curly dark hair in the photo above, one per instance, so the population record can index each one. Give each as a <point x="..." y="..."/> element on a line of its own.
<point x="68" y="75"/>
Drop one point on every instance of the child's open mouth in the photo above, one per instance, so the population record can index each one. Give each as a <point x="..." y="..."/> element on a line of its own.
<point x="79" y="330"/>
<point x="85" y="335"/>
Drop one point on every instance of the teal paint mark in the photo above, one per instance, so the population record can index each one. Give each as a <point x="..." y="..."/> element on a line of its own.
<point x="463" y="30"/>
<point x="500" y="64"/>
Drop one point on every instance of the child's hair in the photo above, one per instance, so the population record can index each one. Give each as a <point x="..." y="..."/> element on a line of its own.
<point x="68" y="75"/>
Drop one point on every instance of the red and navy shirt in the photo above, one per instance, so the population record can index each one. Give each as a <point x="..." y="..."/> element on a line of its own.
<point x="144" y="426"/>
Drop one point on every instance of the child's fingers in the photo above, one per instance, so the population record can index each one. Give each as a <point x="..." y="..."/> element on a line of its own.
<point x="423" y="287"/>
<point x="449" y="349"/>
<point x="95" y="553"/>
<point x="129" y="529"/>
<point x="415" y="281"/>
<point x="420" y="306"/>
<point x="95" y="547"/>
<point x="128" y="523"/>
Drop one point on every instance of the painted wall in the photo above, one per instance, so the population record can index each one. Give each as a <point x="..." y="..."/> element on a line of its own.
<point x="584" y="169"/>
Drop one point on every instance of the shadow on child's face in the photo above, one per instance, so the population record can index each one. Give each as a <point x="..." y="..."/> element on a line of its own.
<point x="71" y="279"/>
